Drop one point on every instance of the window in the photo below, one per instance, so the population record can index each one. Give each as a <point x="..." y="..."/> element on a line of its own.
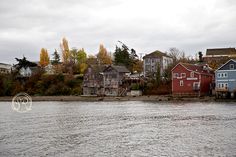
<point x="183" y="75"/>
<point x="219" y="75"/>
<point x="218" y="85"/>
<point x="175" y="75"/>
<point x="231" y="66"/>
<point x="181" y="83"/>
<point x="226" y="75"/>
<point x="222" y="74"/>
<point x="192" y="74"/>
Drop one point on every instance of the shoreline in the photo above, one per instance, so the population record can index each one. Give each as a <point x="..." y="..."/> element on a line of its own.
<point x="158" y="98"/>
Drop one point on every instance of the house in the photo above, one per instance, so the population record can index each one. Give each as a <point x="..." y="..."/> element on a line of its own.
<point x="192" y="79"/>
<point x="93" y="80"/>
<point x="152" y="60"/>
<point x="5" y="68"/>
<point x="226" y="79"/>
<point x="113" y="80"/>
<point x="25" y="72"/>
<point x="216" y="57"/>
<point x="49" y="69"/>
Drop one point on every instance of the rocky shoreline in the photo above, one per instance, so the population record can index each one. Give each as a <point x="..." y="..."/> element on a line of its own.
<point x="166" y="98"/>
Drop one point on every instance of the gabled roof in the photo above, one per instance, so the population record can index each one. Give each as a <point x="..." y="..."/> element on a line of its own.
<point x="97" y="68"/>
<point x="196" y="68"/>
<point x="221" y="51"/>
<point x="118" y="68"/>
<point x="155" y="54"/>
<point x="226" y="63"/>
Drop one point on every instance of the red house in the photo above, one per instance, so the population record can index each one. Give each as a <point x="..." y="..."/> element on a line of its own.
<point x="191" y="79"/>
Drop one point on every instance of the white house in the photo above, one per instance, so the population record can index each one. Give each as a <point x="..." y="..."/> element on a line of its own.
<point x="152" y="60"/>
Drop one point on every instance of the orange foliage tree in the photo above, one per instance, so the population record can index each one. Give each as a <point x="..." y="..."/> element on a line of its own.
<point x="103" y="57"/>
<point x="44" y="58"/>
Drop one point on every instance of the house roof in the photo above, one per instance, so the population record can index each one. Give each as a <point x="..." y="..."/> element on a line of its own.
<point x="119" y="68"/>
<point x="97" y="68"/>
<point x="225" y="64"/>
<point x="155" y="54"/>
<point x="202" y="69"/>
<point x="221" y="51"/>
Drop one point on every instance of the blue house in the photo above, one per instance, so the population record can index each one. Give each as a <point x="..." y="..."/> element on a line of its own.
<point x="225" y="79"/>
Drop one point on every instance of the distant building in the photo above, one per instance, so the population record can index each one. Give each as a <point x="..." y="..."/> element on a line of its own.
<point x="226" y="79"/>
<point x="93" y="80"/>
<point x="113" y="77"/>
<point x="219" y="56"/>
<point x="49" y="69"/>
<point x="28" y="71"/>
<point x="5" y="68"/>
<point x="105" y="80"/>
<point x="153" y="60"/>
<point x="190" y="79"/>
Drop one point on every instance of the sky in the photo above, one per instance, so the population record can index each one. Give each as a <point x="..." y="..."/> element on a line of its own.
<point x="144" y="25"/>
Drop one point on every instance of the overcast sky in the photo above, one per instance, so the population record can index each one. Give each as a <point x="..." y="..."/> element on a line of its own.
<point x="145" y="25"/>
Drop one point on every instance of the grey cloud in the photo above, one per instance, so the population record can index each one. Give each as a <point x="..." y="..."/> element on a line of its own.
<point x="27" y="26"/>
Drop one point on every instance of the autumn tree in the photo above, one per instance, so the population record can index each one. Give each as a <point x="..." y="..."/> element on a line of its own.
<point x="74" y="54"/>
<point x="81" y="56"/>
<point x="44" y="58"/>
<point x="65" y="50"/>
<point x="102" y="56"/>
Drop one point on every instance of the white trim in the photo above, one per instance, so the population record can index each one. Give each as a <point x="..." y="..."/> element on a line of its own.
<point x="191" y="78"/>
<point x="227" y="80"/>
<point x="224" y="70"/>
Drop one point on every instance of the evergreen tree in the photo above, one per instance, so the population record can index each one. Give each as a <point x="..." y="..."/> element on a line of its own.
<point x="56" y="57"/>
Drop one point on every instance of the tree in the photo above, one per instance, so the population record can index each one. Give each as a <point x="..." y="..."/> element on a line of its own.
<point x="56" y="57"/>
<point x="74" y="54"/>
<point x="138" y="66"/>
<point x="124" y="56"/>
<point x="65" y="50"/>
<point x="23" y="63"/>
<point x="103" y="57"/>
<point x="44" y="58"/>
<point x="158" y="75"/>
<point x="81" y="56"/>
<point x="200" y="56"/>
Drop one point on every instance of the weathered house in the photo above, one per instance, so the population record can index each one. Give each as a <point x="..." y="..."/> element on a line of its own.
<point x="190" y="79"/>
<point x="93" y="80"/>
<point x="155" y="60"/>
<point x="113" y="80"/>
<point x="226" y="79"/>
<point x="5" y="68"/>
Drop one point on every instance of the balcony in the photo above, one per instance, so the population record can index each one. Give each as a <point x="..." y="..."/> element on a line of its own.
<point x="222" y="89"/>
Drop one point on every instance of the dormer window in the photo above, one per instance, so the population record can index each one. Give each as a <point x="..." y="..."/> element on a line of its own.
<point x="231" y="66"/>
<point x="192" y="74"/>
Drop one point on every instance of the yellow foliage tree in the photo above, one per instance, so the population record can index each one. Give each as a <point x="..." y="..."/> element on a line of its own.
<point x="103" y="57"/>
<point x="65" y="50"/>
<point x="82" y="67"/>
<point x="44" y="58"/>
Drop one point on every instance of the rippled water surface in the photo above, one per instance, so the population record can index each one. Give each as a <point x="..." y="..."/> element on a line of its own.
<point x="132" y="128"/>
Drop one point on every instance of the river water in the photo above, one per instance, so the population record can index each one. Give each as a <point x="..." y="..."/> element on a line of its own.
<point x="131" y="128"/>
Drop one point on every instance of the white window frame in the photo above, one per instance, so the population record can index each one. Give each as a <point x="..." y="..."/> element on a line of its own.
<point x="231" y="66"/>
<point x="175" y="75"/>
<point x="183" y="75"/>
<point x="225" y="75"/>
<point x="181" y="83"/>
<point x="192" y="74"/>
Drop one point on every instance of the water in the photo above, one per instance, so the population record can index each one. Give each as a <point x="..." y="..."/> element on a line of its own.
<point x="132" y="128"/>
